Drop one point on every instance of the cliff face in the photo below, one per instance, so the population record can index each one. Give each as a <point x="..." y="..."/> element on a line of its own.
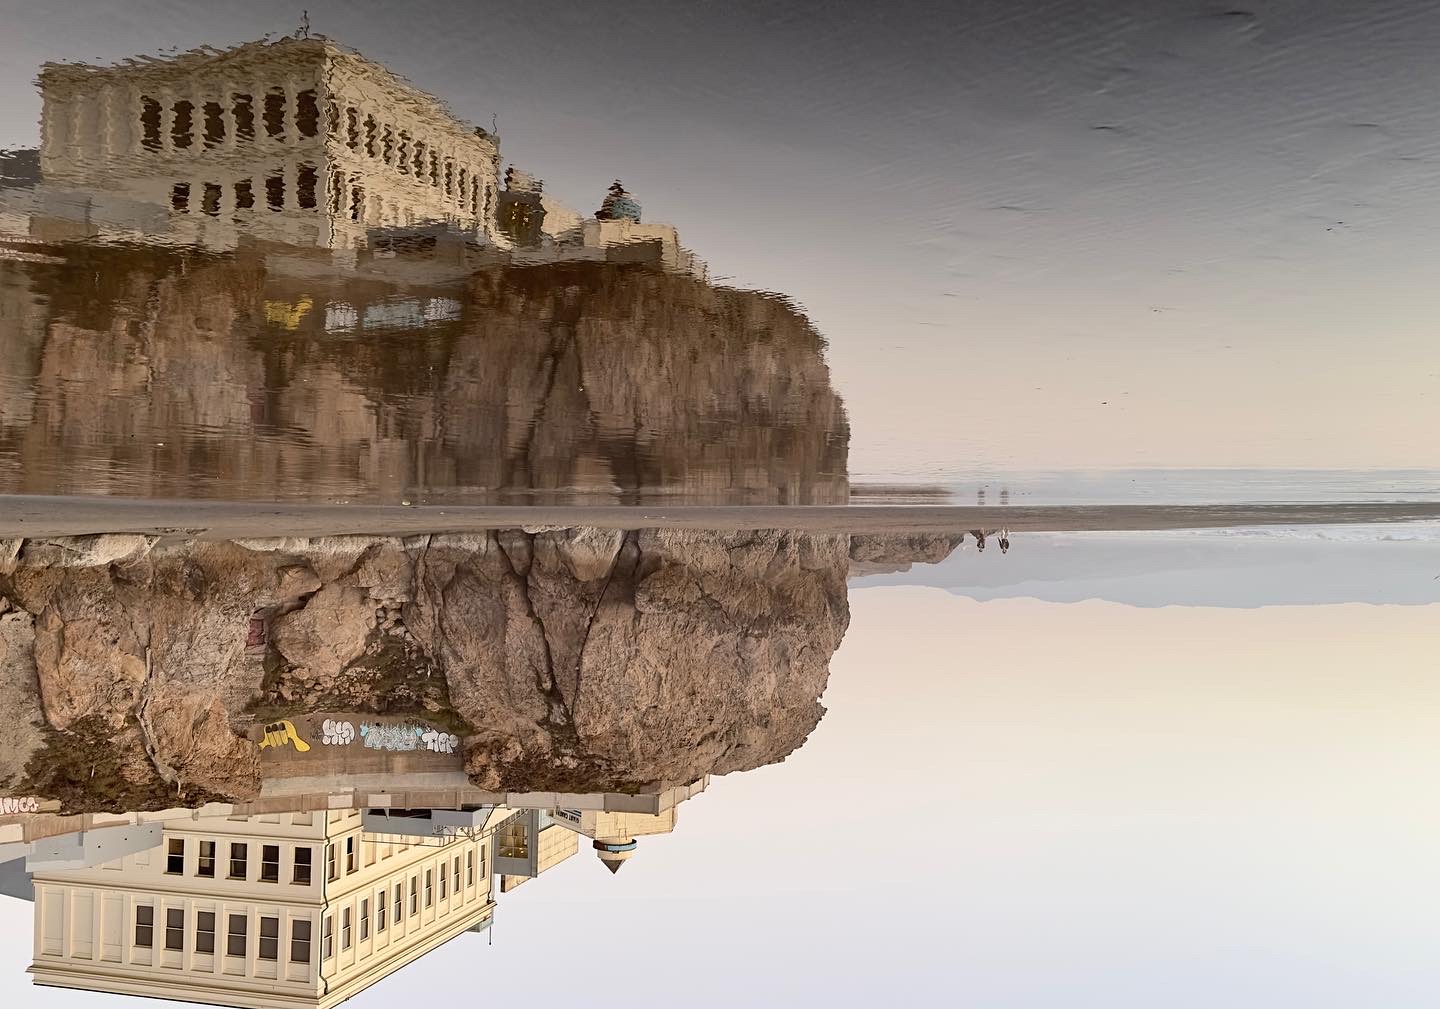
<point x="574" y="659"/>
<point x="153" y="373"/>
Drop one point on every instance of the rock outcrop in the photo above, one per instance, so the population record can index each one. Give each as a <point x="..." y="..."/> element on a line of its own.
<point x="571" y="660"/>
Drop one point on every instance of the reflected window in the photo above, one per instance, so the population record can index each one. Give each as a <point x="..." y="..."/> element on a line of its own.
<point x="183" y="123"/>
<point x="149" y="123"/>
<point x="244" y="194"/>
<point x="305" y="182"/>
<point x="210" y="200"/>
<point x="180" y="197"/>
<point x="307" y="114"/>
<point x="352" y="129"/>
<point x="214" y="124"/>
<point x="242" y="108"/>
<point x="370" y="133"/>
<point x="275" y="192"/>
<point x="275" y="114"/>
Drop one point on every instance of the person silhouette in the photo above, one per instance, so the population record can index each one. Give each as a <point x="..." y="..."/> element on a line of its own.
<point x="979" y="535"/>
<point x="1004" y="541"/>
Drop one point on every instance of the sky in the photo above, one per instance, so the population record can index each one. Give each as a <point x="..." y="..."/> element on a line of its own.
<point x="1038" y="236"/>
<point x="1021" y="804"/>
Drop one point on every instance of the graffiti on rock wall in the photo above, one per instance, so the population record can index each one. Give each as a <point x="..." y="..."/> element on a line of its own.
<point x="19" y="804"/>
<point x="391" y="737"/>
<point x="282" y="733"/>
<point x="337" y="733"/>
<point x="440" y="742"/>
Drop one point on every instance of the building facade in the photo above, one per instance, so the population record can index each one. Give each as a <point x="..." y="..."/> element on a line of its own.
<point x="285" y="909"/>
<point x="297" y="140"/>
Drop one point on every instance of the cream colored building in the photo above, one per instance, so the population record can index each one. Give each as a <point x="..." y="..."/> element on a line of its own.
<point x="297" y="140"/>
<point x="284" y="909"/>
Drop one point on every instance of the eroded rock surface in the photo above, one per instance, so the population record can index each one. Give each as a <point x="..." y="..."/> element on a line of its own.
<point x="570" y="660"/>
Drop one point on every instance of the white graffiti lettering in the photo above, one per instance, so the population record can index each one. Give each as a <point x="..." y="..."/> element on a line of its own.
<point x="391" y="737"/>
<point x="337" y="733"/>
<point x="19" y="804"/>
<point x="440" y="742"/>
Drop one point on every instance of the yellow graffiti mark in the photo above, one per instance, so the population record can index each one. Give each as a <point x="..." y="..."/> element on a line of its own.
<point x="282" y="733"/>
<point x="282" y="313"/>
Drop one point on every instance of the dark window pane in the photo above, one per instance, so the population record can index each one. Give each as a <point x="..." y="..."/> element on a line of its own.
<point x="302" y="865"/>
<point x="269" y="939"/>
<point x="307" y="114"/>
<point x="204" y="931"/>
<point x="305" y="181"/>
<point x="210" y="202"/>
<point x="275" y="192"/>
<point x="175" y="856"/>
<point x="300" y="942"/>
<point x="175" y="928"/>
<point x="244" y="113"/>
<point x="180" y="197"/>
<point x="235" y="940"/>
<point x="183" y="123"/>
<point x="214" y="124"/>
<point x="144" y="925"/>
<point x="206" y="865"/>
<point x="244" y="195"/>
<point x="275" y="113"/>
<point x="150" y="123"/>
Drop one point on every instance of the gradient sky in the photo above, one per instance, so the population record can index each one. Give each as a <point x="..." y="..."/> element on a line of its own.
<point x="1025" y="805"/>
<point x="1041" y="235"/>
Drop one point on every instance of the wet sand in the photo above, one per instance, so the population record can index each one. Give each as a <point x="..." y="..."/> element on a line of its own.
<point x="34" y="516"/>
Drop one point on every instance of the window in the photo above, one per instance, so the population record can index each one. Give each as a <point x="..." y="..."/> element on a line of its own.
<point x="180" y="197"/>
<point x="414" y="904"/>
<point x="357" y="205"/>
<point x="144" y="926"/>
<point x="238" y="857"/>
<point x="244" y="194"/>
<point x="444" y="882"/>
<point x="327" y="938"/>
<point x="470" y="868"/>
<point x="352" y="129"/>
<point x="345" y="928"/>
<point x="365" y="919"/>
<point x="149" y="123"/>
<point x="402" y="159"/>
<point x="275" y="192"/>
<point x="464" y="187"/>
<point x="434" y="169"/>
<point x="269" y="938"/>
<point x="474" y="197"/>
<point x="182" y="124"/>
<point x="302" y="866"/>
<point x="387" y="144"/>
<point x="175" y="856"/>
<point x="398" y="906"/>
<point x="380" y="911"/>
<point x="269" y="863"/>
<point x="275" y="113"/>
<point x="210" y="201"/>
<point x="419" y="149"/>
<point x="206" y="866"/>
<point x="300" y="941"/>
<point x="349" y="854"/>
<point x="175" y="928"/>
<point x="305" y="181"/>
<point x="457" y="873"/>
<point x="243" y="109"/>
<point x="204" y="931"/>
<point x="214" y="125"/>
<point x="235" y="940"/>
<point x="370" y="127"/>
<point x="307" y="114"/>
<point x="337" y="192"/>
<point x="449" y="178"/>
<point x="331" y="873"/>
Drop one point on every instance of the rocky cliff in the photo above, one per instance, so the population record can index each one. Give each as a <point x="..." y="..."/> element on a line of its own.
<point x="574" y="659"/>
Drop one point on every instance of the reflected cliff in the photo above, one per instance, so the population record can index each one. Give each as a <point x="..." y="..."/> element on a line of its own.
<point x="149" y="372"/>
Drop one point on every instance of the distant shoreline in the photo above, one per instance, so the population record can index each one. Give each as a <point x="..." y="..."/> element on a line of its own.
<point x="36" y="516"/>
